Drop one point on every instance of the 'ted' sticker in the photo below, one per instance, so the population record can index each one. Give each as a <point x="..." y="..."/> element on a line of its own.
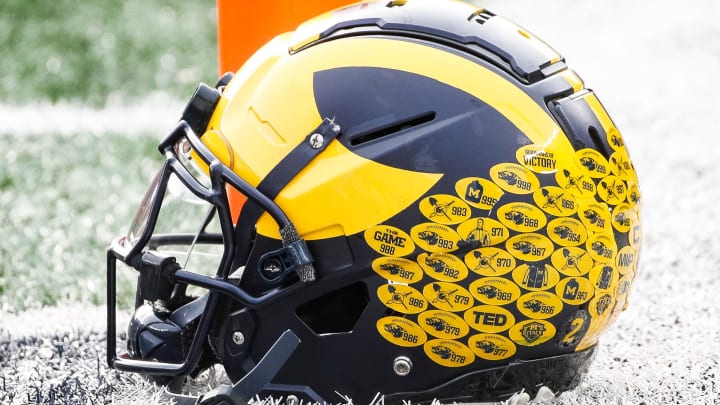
<point x="539" y="305"/>
<point x="537" y="158"/>
<point x="567" y="231"/>
<point x="435" y="237"/>
<point x="489" y="318"/>
<point x="521" y="217"/>
<point x="555" y="201"/>
<point x="397" y="269"/>
<point x="514" y="178"/>
<point x="593" y="162"/>
<point x="490" y="261"/>
<point x="535" y="276"/>
<point x="448" y="353"/>
<point x="402" y="298"/>
<point x="532" y="332"/>
<point x="444" y="209"/>
<point x="494" y="290"/>
<point x="443" y="324"/>
<point x="400" y="331"/>
<point x="482" y="232"/>
<point x="448" y="296"/>
<point x="490" y="346"/>
<point x="531" y="247"/>
<point x="478" y="192"/>
<point x="389" y="241"/>
<point x="443" y="266"/>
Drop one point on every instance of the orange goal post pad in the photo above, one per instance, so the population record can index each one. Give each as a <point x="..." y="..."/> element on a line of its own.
<point x="245" y="25"/>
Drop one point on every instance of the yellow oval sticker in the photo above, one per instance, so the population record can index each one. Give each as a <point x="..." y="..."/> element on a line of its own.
<point x="623" y="217"/>
<point x="626" y="260"/>
<point x="567" y="231"/>
<point x="621" y="166"/>
<point x="539" y="305"/>
<point x="514" y="178"/>
<point x="448" y="353"/>
<point x="447" y="296"/>
<point x="592" y="162"/>
<point x="401" y="331"/>
<point x="489" y="346"/>
<point x="435" y="237"/>
<point x="494" y="290"/>
<point x="443" y="266"/>
<point x="633" y="195"/>
<point x="522" y="217"/>
<point x="443" y="324"/>
<point x="575" y="290"/>
<point x="615" y="139"/>
<point x="537" y="158"/>
<point x="595" y="216"/>
<point x="444" y="209"/>
<point x="576" y="182"/>
<point x="532" y="332"/>
<point x="601" y="305"/>
<point x="555" y="201"/>
<point x="572" y="261"/>
<point x="402" y="298"/>
<point x="604" y="277"/>
<point x="482" y="232"/>
<point x="602" y="248"/>
<point x="489" y="318"/>
<point x="397" y="269"/>
<point x="490" y="261"/>
<point x="478" y="192"/>
<point x="389" y="240"/>
<point x="612" y="190"/>
<point x="535" y="276"/>
<point x="531" y="247"/>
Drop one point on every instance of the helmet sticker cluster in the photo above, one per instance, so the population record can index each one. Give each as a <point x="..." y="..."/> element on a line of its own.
<point x="538" y="251"/>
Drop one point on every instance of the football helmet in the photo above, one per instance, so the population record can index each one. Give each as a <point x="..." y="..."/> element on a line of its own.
<point x="407" y="200"/>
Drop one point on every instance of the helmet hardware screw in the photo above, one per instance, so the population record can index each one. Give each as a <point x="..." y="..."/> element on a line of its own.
<point x="292" y="400"/>
<point x="316" y="141"/>
<point x="238" y="338"/>
<point x="402" y="366"/>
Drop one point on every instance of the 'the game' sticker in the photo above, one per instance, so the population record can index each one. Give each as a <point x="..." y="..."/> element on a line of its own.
<point x="537" y="158"/>
<point x="489" y="318"/>
<point x="389" y="241"/>
<point x="478" y="192"/>
<point x="402" y="298"/>
<point x="490" y="261"/>
<point x="443" y="324"/>
<point x="532" y="332"/>
<point x="397" y="269"/>
<point x="401" y="331"/>
<point x="443" y="266"/>
<point x="522" y="217"/>
<point x="494" y="290"/>
<point x="435" y="237"/>
<point x="444" y="209"/>
<point x="448" y="353"/>
<point x="489" y="346"/>
<point x="514" y="178"/>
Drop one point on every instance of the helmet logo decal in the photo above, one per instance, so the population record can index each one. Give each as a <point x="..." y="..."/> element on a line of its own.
<point x="514" y="178"/>
<point x="435" y="237"/>
<point x="444" y="209"/>
<point x="478" y="192"/>
<point x="443" y="266"/>
<point x="494" y="290"/>
<point x="567" y="232"/>
<point x="448" y="296"/>
<point x="443" y="324"/>
<point x="449" y="353"/>
<point x="539" y="305"/>
<point x="397" y="269"/>
<point x="537" y="159"/>
<point x="575" y="290"/>
<point x="522" y="217"/>
<point x="490" y="261"/>
<point x="489" y="346"/>
<point x="401" y="331"/>
<point x="389" y="241"/>
<point x="532" y="332"/>
<point x="402" y="298"/>
<point x="572" y="261"/>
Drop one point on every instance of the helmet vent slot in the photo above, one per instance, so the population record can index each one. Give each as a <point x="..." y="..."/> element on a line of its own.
<point x="391" y="128"/>
<point x="337" y="311"/>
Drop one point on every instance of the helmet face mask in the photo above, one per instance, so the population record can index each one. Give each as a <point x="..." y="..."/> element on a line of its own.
<point x="422" y="193"/>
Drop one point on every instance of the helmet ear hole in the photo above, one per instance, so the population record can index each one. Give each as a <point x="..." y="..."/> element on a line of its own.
<point x="337" y="311"/>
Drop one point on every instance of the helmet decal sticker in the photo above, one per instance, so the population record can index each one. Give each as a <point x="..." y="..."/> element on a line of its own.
<point x="537" y="159"/>
<point x="489" y="346"/>
<point x="443" y="324"/>
<point x="489" y="318"/>
<point x="531" y="247"/>
<point x="623" y="216"/>
<point x="575" y="181"/>
<point x="482" y="232"/>
<point x="604" y="277"/>
<point x="390" y="241"/>
<point x="478" y="192"/>
<point x="602" y="248"/>
<point x="490" y="261"/>
<point x="448" y="296"/>
<point x="567" y="231"/>
<point x="443" y="266"/>
<point x="514" y="178"/>
<point x="402" y="298"/>
<point x="571" y="261"/>
<point x="532" y="332"/>
<point x="612" y="190"/>
<point x="397" y="269"/>
<point x="448" y="353"/>
<point x="592" y="162"/>
<point x="555" y="201"/>
<point x="434" y="237"/>
<point x="595" y="216"/>
<point x="494" y="290"/>
<point x="575" y="290"/>
<point x="522" y="217"/>
<point x="444" y="209"/>
<point x="620" y="165"/>
<point x="539" y="305"/>
<point x="401" y="331"/>
<point x="575" y="328"/>
<point x="535" y="276"/>
<point x="626" y="260"/>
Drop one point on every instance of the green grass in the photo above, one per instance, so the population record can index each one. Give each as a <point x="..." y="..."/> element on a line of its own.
<point x="92" y="51"/>
<point x="63" y="199"/>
